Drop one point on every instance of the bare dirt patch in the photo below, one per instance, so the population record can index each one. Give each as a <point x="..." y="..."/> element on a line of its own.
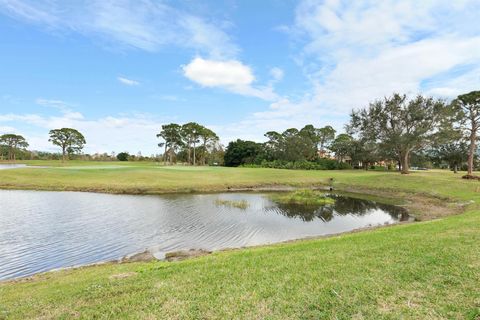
<point x="185" y="254"/>
<point x="122" y="275"/>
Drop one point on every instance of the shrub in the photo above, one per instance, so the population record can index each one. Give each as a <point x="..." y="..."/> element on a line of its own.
<point x="303" y="197"/>
<point x="123" y="156"/>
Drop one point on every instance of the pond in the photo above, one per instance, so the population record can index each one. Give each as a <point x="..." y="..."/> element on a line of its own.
<point x="42" y="231"/>
<point x="5" y="166"/>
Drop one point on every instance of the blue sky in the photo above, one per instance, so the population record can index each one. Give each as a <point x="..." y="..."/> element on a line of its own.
<point x="118" y="70"/>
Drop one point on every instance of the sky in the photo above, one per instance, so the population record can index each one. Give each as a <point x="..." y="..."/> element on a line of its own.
<point x="118" y="70"/>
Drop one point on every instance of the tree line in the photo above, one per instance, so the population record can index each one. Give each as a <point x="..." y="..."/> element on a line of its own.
<point x="70" y="140"/>
<point x="393" y="132"/>
<point x="191" y="143"/>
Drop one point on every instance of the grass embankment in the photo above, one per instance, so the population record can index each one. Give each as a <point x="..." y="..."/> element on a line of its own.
<point x="151" y="178"/>
<point x="425" y="270"/>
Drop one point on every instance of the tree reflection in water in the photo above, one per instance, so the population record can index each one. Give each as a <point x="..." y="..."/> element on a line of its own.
<point x="343" y="206"/>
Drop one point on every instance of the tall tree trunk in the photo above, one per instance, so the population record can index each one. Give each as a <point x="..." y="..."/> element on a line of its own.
<point x="404" y="161"/>
<point x="204" y="152"/>
<point x="194" y="160"/>
<point x="165" y="155"/>
<point x="471" y="151"/>
<point x="455" y="169"/>
<point x="63" y="154"/>
<point x="14" y="156"/>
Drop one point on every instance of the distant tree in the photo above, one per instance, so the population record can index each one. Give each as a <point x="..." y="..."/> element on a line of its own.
<point x="325" y="136"/>
<point x="274" y="147"/>
<point x="292" y="145"/>
<point x="468" y="106"/>
<point x="342" y="146"/>
<point x="399" y="125"/>
<point x="123" y="156"/>
<point x="454" y="153"/>
<point x="241" y="152"/>
<point x="172" y="136"/>
<point x="217" y="154"/>
<point x="191" y="133"/>
<point x="207" y="137"/>
<point x="13" y="142"/>
<point x="70" y="140"/>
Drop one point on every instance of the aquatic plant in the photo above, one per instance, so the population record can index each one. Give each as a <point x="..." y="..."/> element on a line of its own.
<point x="304" y="197"/>
<point x="240" y="204"/>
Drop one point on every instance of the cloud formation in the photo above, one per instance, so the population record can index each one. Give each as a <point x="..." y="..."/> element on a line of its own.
<point x="231" y="75"/>
<point x="147" y="25"/>
<point x="132" y="132"/>
<point x="353" y="52"/>
<point x="128" y="82"/>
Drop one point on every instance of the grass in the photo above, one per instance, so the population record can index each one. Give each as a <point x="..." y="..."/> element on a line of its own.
<point x="424" y="270"/>
<point x="304" y="197"/>
<point x="240" y="204"/>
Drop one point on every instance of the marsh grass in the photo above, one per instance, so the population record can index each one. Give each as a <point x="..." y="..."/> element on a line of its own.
<point x="303" y="197"/>
<point x="240" y="204"/>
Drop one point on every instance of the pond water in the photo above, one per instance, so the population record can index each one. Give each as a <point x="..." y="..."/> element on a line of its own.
<point x="5" y="166"/>
<point x="47" y="230"/>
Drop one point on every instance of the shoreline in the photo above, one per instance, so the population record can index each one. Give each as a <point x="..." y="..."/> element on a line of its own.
<point x="149" y="256"/>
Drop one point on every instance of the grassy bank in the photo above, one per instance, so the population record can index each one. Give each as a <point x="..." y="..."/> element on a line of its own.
<point x="151" y="178"/>
<point x="426" y="270"/>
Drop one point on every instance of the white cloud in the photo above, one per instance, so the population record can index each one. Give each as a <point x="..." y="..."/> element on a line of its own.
<point x="128" y="82"/>
<point x="147" y="25"/>
<point x="133" y="133"/>
<point x="210" y="73"/>
<point x="231" y="75"/>
<point x="353" y="52"/>
<point x="277" y="74"/>
<point x="6" y="129"/>
<point x="60" y="105"/>
<point x="57" y="104"/>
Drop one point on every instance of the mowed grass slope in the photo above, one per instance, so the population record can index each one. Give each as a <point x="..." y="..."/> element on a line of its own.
<point x="151" y="178"/>
<point x="425" y="270"/>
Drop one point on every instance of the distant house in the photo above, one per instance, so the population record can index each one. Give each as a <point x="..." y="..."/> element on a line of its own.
<point x="325" y="154"/>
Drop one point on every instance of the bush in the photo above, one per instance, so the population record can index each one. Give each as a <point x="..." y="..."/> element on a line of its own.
<point x="303" y="197"/>
<point x="319" y="164"/>
<point x="123" y="156"/>
<point x="344" y="166"/>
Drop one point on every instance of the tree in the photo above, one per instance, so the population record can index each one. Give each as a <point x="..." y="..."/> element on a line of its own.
<point x="13" y="142"/>
<point x="207" y="136"/>
<point x="325" y="136"/>
<point x="123" y="156"/>
<point x="274" y="146"/>
<point x="172" y="136"/>
<point x="400" y="125"/>
<point x="454" y="153"/>
<point x="292" y="145"/>
<point x="468" y="106"/>
<point x="241" y="152"/>
<point x="191" y="134"/>
<point x="342" y="146"/>
<point x="70" y="140"/>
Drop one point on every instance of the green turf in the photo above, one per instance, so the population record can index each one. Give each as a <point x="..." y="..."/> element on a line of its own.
<point x="424" y="270"/>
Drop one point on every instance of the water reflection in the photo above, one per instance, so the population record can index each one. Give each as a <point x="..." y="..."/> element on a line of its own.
<point x="343" y="206"/>
<point x="46" y="230"/>
<point x="5" y="166"/>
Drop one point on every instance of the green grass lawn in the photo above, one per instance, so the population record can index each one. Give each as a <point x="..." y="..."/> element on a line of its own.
<point x="424" y="270"/>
